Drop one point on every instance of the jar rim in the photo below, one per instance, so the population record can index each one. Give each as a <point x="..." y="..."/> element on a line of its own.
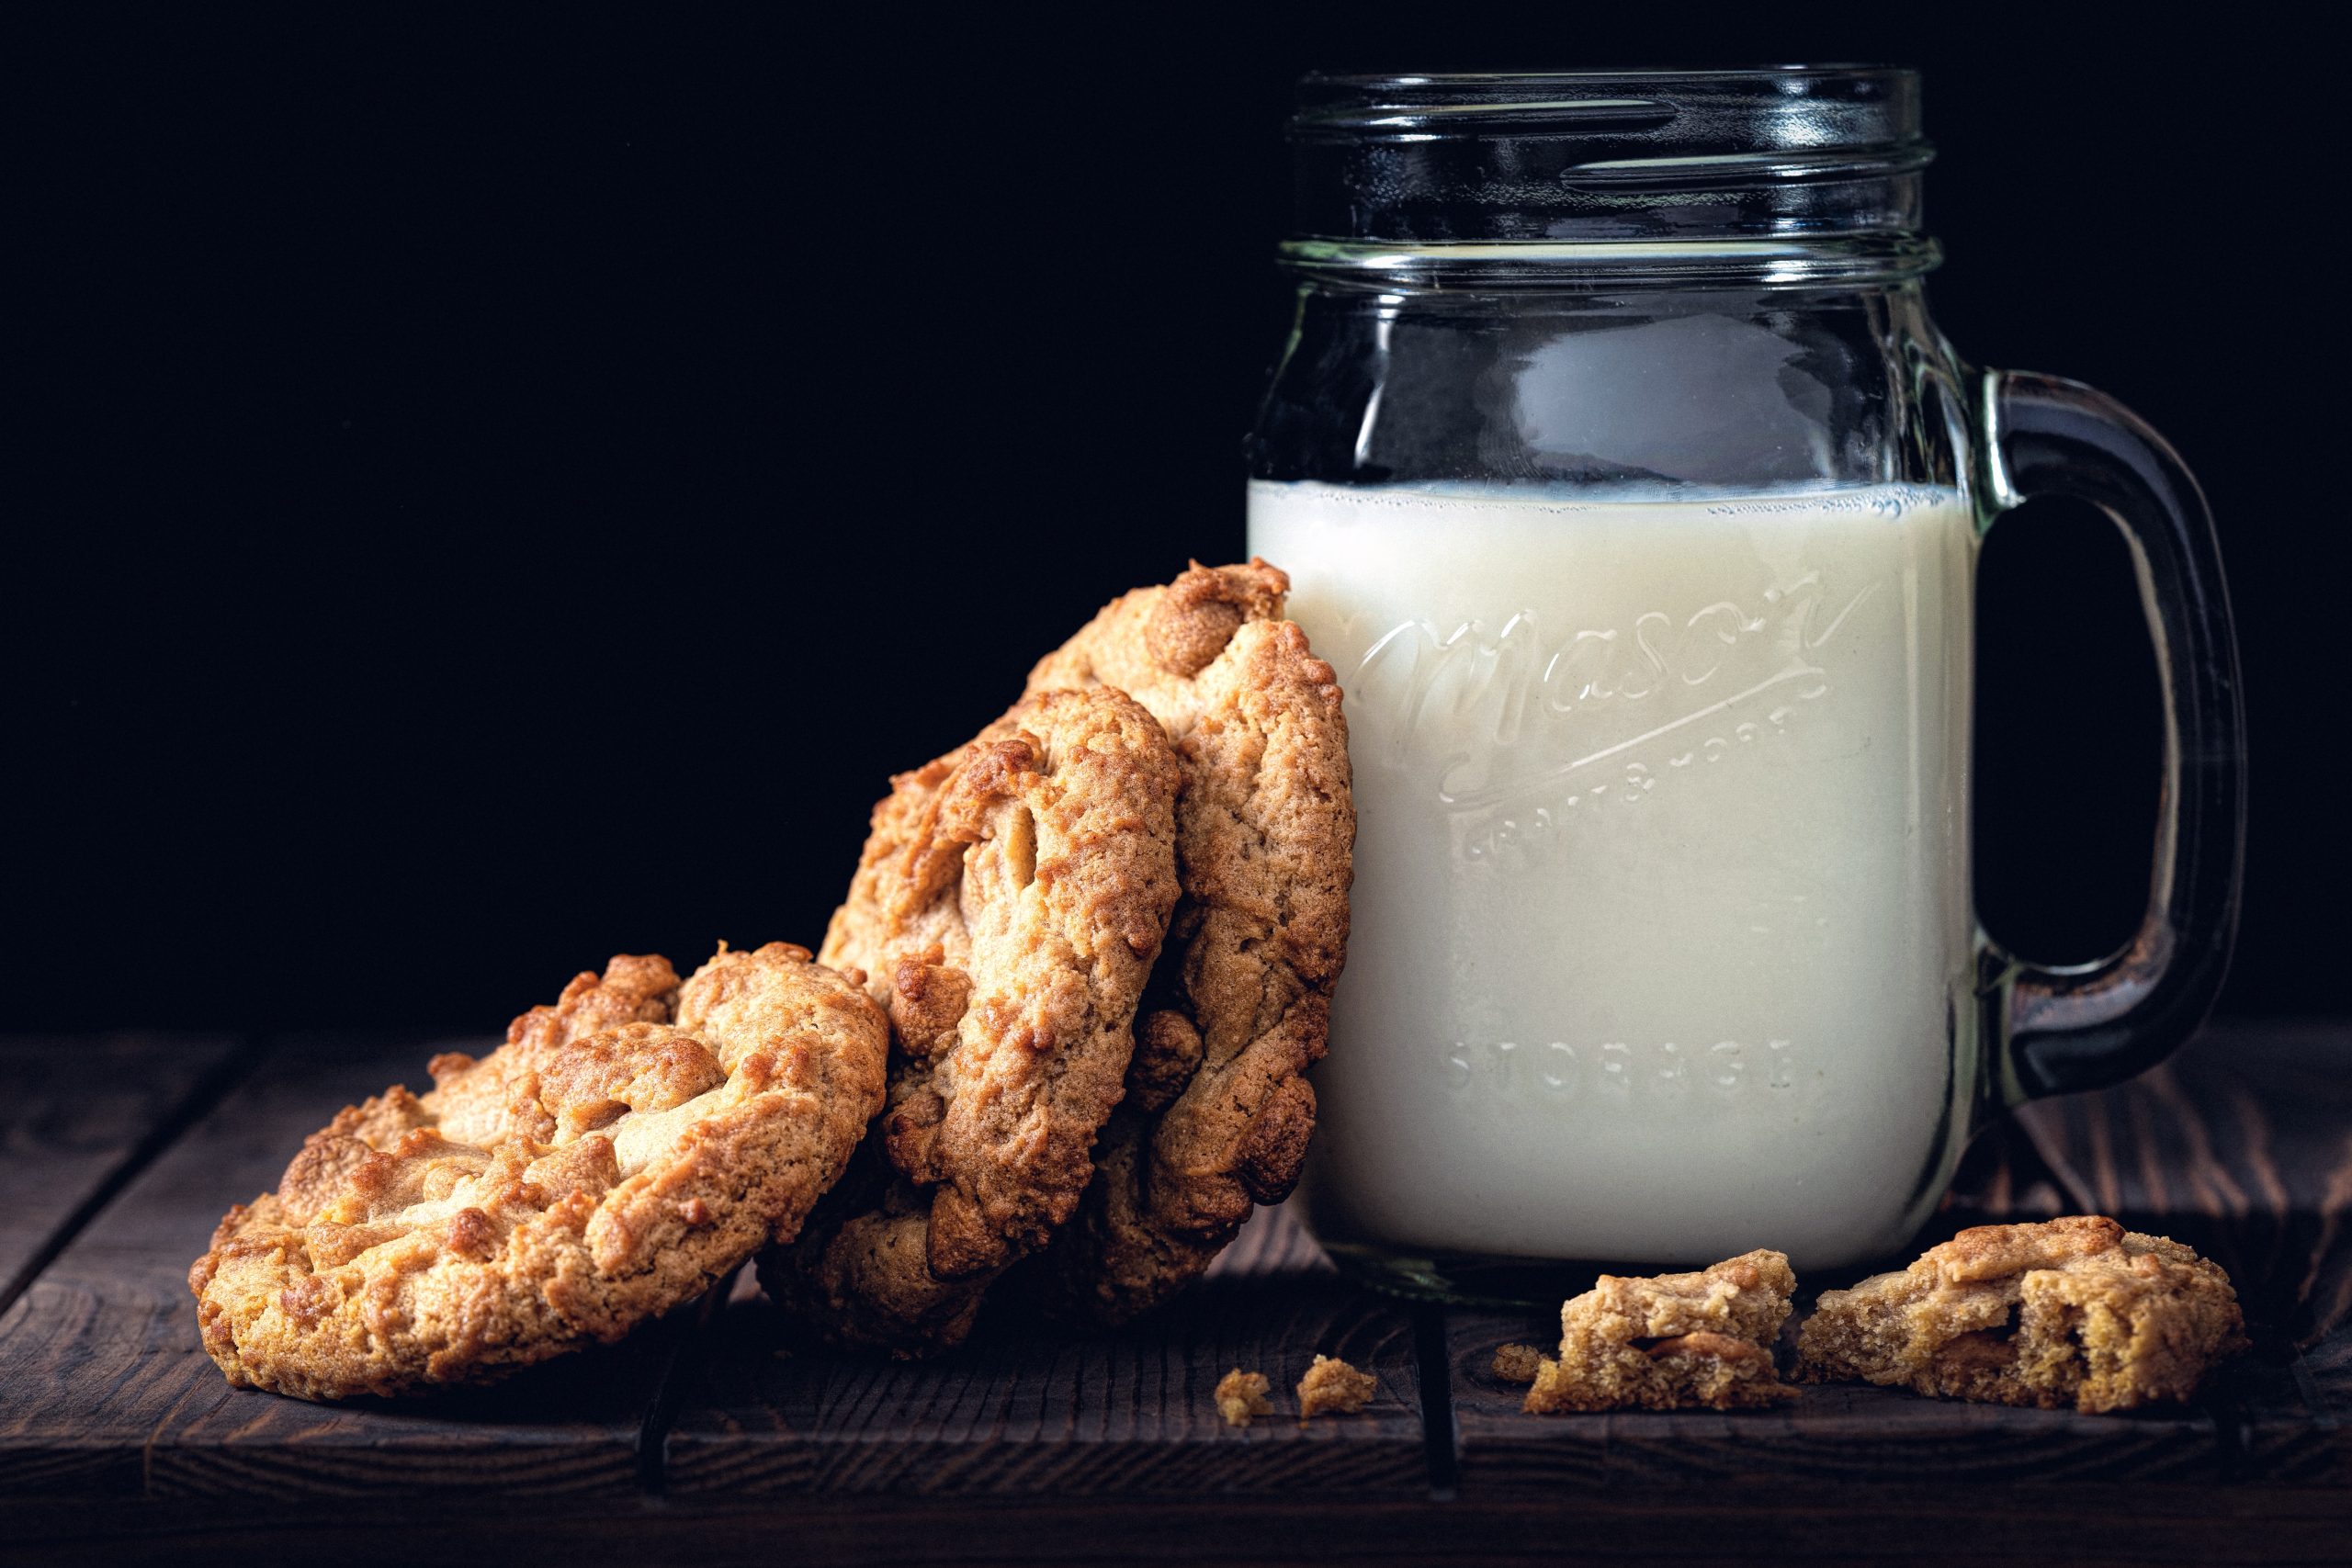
<point x="1403" y="79"/>
<point x="1491" y="266"/>
<point x="1668" y="153"/>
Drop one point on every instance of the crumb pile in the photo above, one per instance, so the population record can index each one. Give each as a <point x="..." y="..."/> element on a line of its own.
<point x="1332" y="1387"/>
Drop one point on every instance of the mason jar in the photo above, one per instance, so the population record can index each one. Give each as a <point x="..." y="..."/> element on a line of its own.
<point x="1621" y="473"/>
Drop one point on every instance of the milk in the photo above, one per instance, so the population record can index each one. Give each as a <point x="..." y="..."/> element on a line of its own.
<point x="1662" y="944"/>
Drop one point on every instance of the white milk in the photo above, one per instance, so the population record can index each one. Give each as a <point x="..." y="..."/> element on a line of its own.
<point x="1662" y="947"/>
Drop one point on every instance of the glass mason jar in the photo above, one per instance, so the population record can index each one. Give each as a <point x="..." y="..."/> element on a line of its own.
<point x="1624" y="477"/>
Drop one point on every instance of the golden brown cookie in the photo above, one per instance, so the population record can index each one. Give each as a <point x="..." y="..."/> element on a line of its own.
<point x="1218" y="1110"/>
<point x="2075" y="1312"/>
<point x="609" y="1162"/>
<point x="1672" y="1342"/>
<point x="1010" y="900"/>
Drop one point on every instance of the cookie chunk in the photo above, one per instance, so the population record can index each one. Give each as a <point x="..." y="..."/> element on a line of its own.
<point x="621" y="1152"/>
<point x="1333" y="1386"/>
<point x="2069" y="1313"/>
<point x="1009" y="905"/>
<point x="1218" y="1110"/>
<point x="1517" y="1363"/>
<point x="1241" y="1397"/>
<point x="1674" y="1342"/>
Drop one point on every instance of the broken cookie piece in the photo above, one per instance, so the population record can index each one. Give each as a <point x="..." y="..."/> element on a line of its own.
<point x="1331" y="1385"/>
<point x="1672" y="1342"/>
<point x="2069" y="1313"/>
<point x="1240" y="1396"/>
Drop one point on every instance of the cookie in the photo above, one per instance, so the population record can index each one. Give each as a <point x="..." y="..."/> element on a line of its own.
<point x="623" y="1151"/>
<point x="2069" y="1314"/>
<point x="1218" y="1110"/>
<point x="1010" y="903"/>
<point x="1672" y="1342"/>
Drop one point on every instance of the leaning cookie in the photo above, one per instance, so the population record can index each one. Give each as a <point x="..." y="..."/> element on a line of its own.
<point x="621" y="1152"/>
<point x="1218" y="1110"/>
<point x="2075" y="1312"/>
<point x="1010" y="903"/>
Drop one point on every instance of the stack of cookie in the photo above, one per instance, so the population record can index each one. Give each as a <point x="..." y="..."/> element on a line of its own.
<point x="1107" y="932"/>
<point x="1070" y="1000"/>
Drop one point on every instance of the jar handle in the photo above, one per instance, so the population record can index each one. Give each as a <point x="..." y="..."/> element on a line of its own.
<point x="2064" y="1028"/>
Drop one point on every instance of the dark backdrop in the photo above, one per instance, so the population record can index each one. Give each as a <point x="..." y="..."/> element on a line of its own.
<point x="509" y="490"/>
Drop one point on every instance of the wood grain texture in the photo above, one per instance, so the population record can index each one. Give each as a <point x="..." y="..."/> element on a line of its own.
<point x="77" y="1111"/>
<point x="118" y="1437"/>
<point x="2241" y="1145"/>
<point x="1029" y="1408"/>
<point x="1834" y="1436"/>
<point x="2197" y="1150"/>
<point x="108" y="1392"/>
<point x="2086" y="1526"/>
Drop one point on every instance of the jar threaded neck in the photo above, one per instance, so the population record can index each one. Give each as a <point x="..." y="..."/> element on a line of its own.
<point x="1794" y="154"/>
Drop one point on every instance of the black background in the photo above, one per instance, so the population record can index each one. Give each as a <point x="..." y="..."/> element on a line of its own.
<point x="505" y="488"/>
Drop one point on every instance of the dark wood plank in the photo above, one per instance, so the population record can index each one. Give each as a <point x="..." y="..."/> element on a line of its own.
<point x="2241" y="1145"/>
<point x="103" y="1388"/>
<point x="79" y="1111"/>
<point x="2242" y="1148"/>
<point x="1026" y="1408"/>
<point x="2082" y="1526"/>
<point x="1835" y="1436"/>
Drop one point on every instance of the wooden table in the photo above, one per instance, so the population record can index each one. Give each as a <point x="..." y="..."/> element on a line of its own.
<point x="700" y="1440"/>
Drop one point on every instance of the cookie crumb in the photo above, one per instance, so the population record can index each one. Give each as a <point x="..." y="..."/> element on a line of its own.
<point x="1331" y="1384"/>
<point x="1241" y="1395"/>
<point x="1517" y="1363"/>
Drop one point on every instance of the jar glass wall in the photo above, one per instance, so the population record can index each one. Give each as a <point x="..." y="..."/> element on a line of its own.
<point x="1623" y="477"/>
